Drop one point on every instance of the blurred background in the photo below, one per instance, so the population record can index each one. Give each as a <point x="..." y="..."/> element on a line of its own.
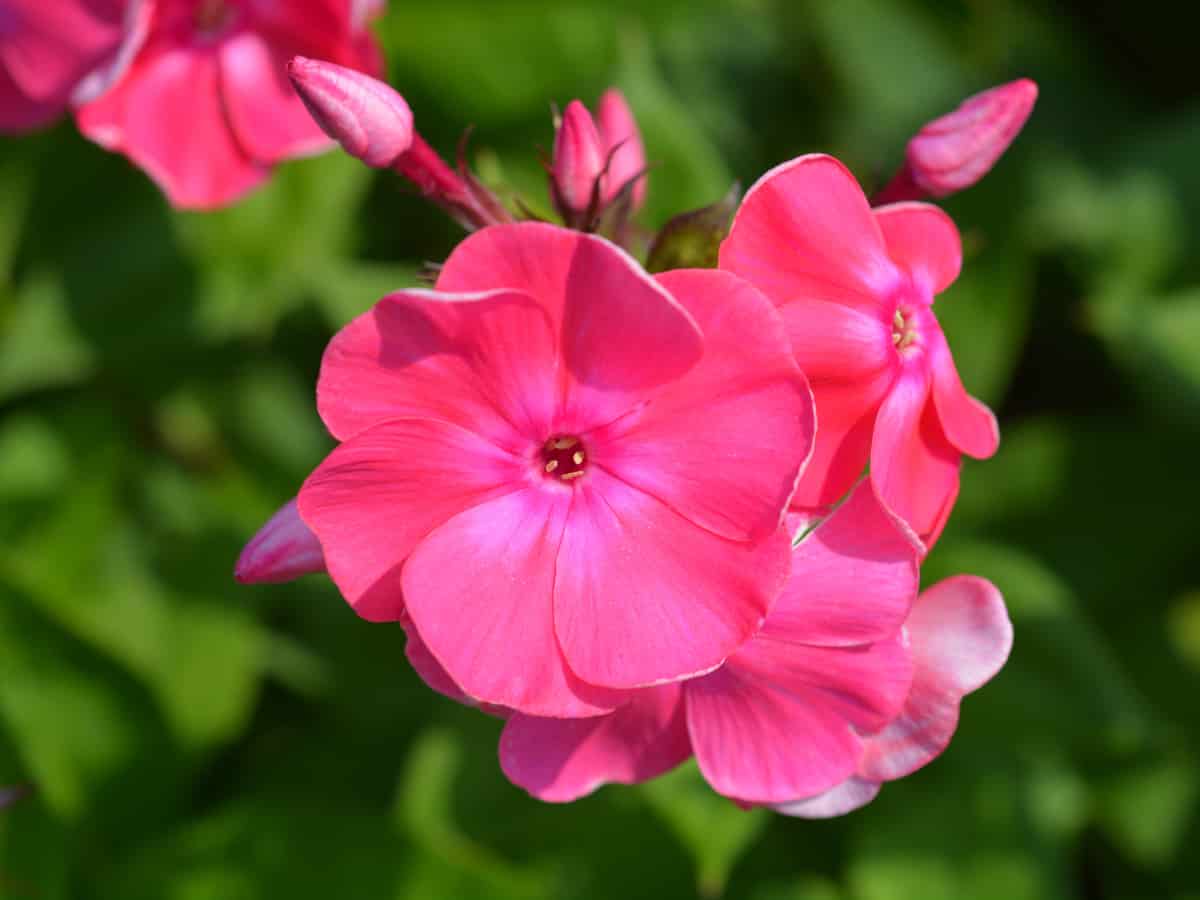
<point x="192" y="739"/>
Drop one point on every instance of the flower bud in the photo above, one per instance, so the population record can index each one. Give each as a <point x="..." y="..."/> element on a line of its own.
<point x="953" y="152"/>
<point x="579" y="160"/>
<point x="284" y="548"/>
<point x="623" y="144"/>
<point x="367" y="117"/>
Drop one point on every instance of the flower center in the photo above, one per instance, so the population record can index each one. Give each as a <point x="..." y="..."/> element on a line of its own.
<point x="564" y="457"/>
<point x="212" y="16"/>
<point x="904" y="331"/>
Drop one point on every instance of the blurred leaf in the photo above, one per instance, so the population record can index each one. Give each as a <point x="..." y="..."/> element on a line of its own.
<point x="33" y="460"/>
<point x="1148" y="809"/>
<point x="39" y="345"/>
<point x="713" y="829"/>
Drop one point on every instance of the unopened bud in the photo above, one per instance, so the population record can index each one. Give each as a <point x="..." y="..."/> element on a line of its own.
<point x="284" y="548"/>
<point x="579" y="160"/>
<point x="367" y="117"/>
<point x="623" y="144"/>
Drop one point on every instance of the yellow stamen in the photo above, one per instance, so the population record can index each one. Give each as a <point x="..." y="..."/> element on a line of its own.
<point x="567" y="476"/>
<point x="552" y="465"/>
<point x="578" y="457"/>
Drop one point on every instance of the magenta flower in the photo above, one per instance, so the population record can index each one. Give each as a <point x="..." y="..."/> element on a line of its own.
<point x="844" y="687"/>
<point x="47" y="48"/>
<point x="569" y="475"/>
<point x="855" y="287"/>
<point x="206" y="108"/>
<point x="954" y="151"/>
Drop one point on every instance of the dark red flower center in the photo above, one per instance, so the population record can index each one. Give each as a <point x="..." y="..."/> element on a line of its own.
<point x="564" y="457"/>
<point x="213" y="15"/>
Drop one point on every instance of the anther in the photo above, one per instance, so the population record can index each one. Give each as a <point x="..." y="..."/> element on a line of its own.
<point x="552" y="465"/>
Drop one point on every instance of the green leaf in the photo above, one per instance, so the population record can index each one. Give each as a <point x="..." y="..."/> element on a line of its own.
<point x="715" y="831"/>
<point x="691" y="239"/>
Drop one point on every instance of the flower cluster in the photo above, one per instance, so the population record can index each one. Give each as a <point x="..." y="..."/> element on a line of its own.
<point x="645" y="517"/>
<point x="194" y="92"/>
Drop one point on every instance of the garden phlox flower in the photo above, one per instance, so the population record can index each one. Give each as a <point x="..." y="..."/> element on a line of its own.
<point x="848" y="684"/>
<point x="596" y="160"/>
<point x="566" y="475"/>
<point x="855" y="286"/>
<point x="206" y="108"/>
<point x="47" y="48"/>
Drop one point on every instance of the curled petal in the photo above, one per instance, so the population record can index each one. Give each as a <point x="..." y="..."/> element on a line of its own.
<point x="853" y="793"/>
<point x="579" y="159"/>
<point x="623" y="146"/>
<point x="969" y="424"/>
<point x="283" y="549"/>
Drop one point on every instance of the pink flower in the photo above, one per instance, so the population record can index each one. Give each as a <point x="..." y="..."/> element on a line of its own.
<point x="569" y="475"/>
<point x="47" y="47"/>
<point x="284" y="548"/>
<point x="595" y="162"/>
<point x="845" y="686"/>
<point x="855" y="287"/>
<point x="953" y="152"/>
<point x="206" y="108"/>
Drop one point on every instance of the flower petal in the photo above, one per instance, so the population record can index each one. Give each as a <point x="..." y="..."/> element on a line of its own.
<point x="479" y="591"/>
<point x="643" y="595"/>
<point x="833" y="342"/>
<point x="723" y="445"/>
<point x="913" y="467"/>
<point x="560" y="760"/>
<point x="377" y="495"/>
<point x="48" y="48"/>
<point x="485" y="361"/>
<point x="969" y="424"/>
<point x="846" y="412"/>
<point x="779" y="720"/>
<point x="853" y="793"/>
<point x="960" y="637"/>
<point x="168" y="94"/>
<point x="854" y="578"/>
<point x="425" y="664"/>
<point x="283" y="549"/>
<point x="266" y="114"/>
<point x="805" y="230"/>
<point x="925" y="241"/>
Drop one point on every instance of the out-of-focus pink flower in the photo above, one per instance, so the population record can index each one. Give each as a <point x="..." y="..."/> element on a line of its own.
<point x="596" y="160"/>
<point x="959" y="637"/>
<point x="569" y="475"/>
<point x="784" y="716"/>
<point x="370" y="120"/>
<point x="953" y="152"/>
<point x="846" y="686"/>
<point x="622" y="146"/>
<point x="579" y="162"/>
<point x="284" y="548"/>
<point x="47" y="47"/>
<point x="206" y="108"/>
<point x="856" y="287"/>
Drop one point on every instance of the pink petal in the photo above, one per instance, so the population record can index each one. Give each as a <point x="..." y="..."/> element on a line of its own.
<point x="960" y="637"/>
<point x="913" y="467"/>
<point x="621" y="333"/>
<point x="643" y="596"/>
<point x="846" y="412"/>
<point x="376" y="496"/>
<point x="18" y="112"/>
<point x="780" y="720"/>
<point x="48" y="47"/>
<point x="479" y="591"/>
<point x="925" y="241"/>
<point x="805" y="231"/>
<point x="425" y="664"/>
<point x="560" y="760"/>
<point x="833" y="342"/>
<point x="579" y="159"/>
<point x="853" y="793"/>
<point x="853" y="578"/>
<point x="485" y="361"/>
<point x="267" y="116"/>
<point x="623" y="144"/>
<point x="723" y="445"/>
<point x="969" y="425"/>
<point x="167" y="116"/>
<point x="283" y="549"/>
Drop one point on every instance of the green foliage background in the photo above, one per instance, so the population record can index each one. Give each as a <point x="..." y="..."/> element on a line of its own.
<point x="196" y="740"/>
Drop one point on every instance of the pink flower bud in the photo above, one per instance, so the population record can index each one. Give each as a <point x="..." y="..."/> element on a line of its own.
<point x="953" y="152"/>
<point x="369" y="119"/>
<point x="283" y="549"/>
<point x="623" y="144"/>
<point x="579" y="160"/>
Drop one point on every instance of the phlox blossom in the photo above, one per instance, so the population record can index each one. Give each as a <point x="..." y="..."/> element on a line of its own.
<point x="856" y="286"/>
<point x="849" y="683"/>
<point x="205" y="107"/>
<point x="567" y="475"/>
<point x="47" y="48"/>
